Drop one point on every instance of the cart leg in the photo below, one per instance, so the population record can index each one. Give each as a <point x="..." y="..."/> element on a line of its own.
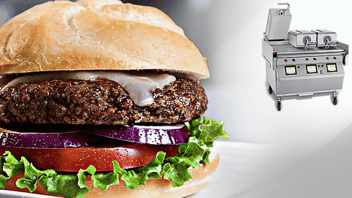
<point x="278" y="103"/>
<point x="270" y="90"/>
<point x="334" y="98"/>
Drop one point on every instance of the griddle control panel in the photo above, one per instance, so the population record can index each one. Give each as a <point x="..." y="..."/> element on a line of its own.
<point x="312" y="68"/>
<point x="309" y="66"/>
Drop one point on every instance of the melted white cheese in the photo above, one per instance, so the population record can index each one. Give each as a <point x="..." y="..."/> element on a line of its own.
<point x="138" y="86"/>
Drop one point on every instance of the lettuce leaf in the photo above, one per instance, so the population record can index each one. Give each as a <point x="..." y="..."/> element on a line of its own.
<point x="178" y="173"/>
<point x="32" y="175"/>
<point x="195" y="152"/>
<point x="151" y="170"/>
<point x="10" y="167"/>
<point x="175" y="168"/>
<point x="65" y="185"/>
<point x="103" y="181"/>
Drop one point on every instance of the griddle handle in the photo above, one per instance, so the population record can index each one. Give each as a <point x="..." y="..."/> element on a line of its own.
<point x="345" y="60"/>
<point x="288" y="6"/>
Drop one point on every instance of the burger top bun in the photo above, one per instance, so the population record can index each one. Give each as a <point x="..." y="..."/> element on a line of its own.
<point x="97" y="35"/>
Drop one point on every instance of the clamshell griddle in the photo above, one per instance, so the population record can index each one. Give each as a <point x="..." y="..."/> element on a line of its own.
<point x="301" y="62"/>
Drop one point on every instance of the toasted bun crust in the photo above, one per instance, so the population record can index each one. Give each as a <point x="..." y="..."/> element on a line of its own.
<point x="201" y="177"/>
<point x="97" y="35"/>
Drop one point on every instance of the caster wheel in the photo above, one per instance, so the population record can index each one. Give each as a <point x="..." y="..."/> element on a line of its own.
<point x="334" y="101"/>
<point x="270" y="90"/>
<point x="278" y="105"/>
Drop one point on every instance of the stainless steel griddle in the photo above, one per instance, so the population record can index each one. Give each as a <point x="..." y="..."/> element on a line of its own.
<point x="300" y="62"/>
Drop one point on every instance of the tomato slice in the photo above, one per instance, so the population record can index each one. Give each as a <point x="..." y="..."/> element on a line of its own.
<point x="73" y="159"/>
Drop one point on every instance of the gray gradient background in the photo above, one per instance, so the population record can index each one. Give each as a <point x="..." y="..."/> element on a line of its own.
<point x="310" y="140"/>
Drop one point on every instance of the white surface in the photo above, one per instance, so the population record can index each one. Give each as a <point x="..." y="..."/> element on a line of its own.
<point x="13" y="194"/>
<point x="239" y="171"/>
<point x="250" y="170"/>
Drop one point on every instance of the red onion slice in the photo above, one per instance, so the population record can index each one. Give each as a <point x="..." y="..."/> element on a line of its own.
<point x="47" y="140"/>
<point x="156" y="135"/>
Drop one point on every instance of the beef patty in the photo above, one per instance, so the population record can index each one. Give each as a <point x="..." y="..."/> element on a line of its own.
<point x="99" y="102"/>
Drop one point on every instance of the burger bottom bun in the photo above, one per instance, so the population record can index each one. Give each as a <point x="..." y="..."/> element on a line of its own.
<point x="201" y="178"/>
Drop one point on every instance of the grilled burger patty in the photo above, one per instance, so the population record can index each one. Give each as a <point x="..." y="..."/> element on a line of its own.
<point x="99" y="102"/>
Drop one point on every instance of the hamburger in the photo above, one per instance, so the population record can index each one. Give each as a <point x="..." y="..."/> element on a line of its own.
<point x="102" y="99"/>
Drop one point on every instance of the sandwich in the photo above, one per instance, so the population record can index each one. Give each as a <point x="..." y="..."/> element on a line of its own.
<point x="102" y="99"/>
